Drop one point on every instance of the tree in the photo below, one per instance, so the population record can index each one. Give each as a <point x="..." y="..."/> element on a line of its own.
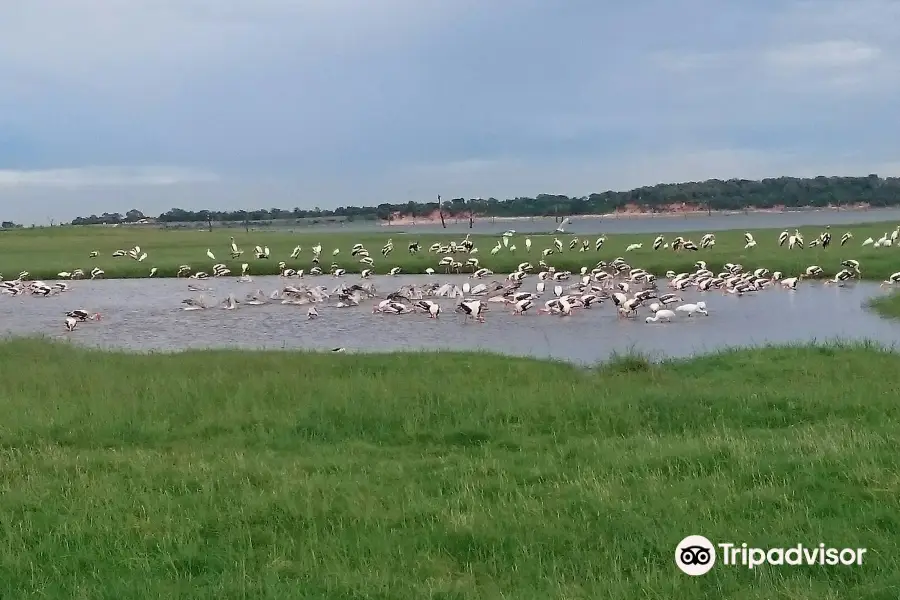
<point x="714" y="194"/>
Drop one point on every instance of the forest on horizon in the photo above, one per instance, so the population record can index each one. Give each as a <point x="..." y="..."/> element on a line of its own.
<point x="713" y="195"/>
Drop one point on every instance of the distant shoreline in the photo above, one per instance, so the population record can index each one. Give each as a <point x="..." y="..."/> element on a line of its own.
<point x="630" y="215"/>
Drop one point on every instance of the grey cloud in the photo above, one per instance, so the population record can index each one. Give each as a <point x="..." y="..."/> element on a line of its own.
<point x="307" y="102"/>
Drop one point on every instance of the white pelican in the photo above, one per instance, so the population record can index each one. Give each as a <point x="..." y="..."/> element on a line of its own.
<point x="210" y="254"/>
<point x="71" y="324"/>
<point x="661" y="315"/>
<point x="691" y="309"/>
<point x="633" y="247"/>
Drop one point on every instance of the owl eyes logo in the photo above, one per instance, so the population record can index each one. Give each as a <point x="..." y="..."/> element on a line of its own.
<point x="695" y="555"/>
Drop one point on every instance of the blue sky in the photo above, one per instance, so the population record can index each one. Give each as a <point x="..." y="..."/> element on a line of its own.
<point x="107" y="105"/>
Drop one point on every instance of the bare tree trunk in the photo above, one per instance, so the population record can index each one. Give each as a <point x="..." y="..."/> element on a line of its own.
<point x="209" y="221"/>
<point x="471" y="220"/>
<point x="441" y="212"/>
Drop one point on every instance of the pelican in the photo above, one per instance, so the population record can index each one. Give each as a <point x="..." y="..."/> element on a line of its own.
<point x="71" y="324"/>
<point x="691" y="309"/>
<point x="210" y="254"/>
<point x="661" y="315"/>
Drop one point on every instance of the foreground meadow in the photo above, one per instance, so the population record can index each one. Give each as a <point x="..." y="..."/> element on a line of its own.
<point x="227" y="474"/>
<point x="46" y="252"/>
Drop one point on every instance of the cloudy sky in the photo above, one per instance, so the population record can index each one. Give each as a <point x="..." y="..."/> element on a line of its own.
<point x="107" y="105"/>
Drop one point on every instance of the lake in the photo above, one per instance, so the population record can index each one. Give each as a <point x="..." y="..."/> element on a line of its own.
<point x="145" y="314"/>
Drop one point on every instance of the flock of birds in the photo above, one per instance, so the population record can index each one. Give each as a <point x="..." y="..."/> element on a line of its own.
<point x="629" y="289"/>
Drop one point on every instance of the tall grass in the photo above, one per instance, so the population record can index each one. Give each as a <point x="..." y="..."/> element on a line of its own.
<point x="231" y="474"/>
<point x="46" y="252"/>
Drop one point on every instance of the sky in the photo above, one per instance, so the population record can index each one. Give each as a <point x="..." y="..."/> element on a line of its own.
<point x="108" y="105"/>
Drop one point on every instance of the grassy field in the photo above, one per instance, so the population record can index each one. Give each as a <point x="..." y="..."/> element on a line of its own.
<point x="258" y="475"/>
<point x="46" y="252"/>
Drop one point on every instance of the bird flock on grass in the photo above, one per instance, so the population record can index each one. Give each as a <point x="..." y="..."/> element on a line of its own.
<point x="629" y="289"/>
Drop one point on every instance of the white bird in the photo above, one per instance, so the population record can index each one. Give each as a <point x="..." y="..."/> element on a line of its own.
<point x="633" y="247"/>
<point x="210" y="254"/>
<point x="661" y="315"/>
<point x="691" y="309"/>
<point x="894" y="278"/>
<point x="71" y="324"/>
<point x="522" y="305"/>
<point x="312" y="313"/>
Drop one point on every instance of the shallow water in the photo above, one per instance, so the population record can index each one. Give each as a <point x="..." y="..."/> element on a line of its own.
<point x="145" y="314"/>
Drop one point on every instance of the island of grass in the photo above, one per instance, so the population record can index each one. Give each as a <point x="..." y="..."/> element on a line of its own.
<point x="887" y="306"/>
<point x="46" y="252"/>
<point x="235" y="474"/>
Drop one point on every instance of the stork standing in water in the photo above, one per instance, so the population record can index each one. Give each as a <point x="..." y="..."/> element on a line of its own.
<point x="82" y="315"/>
<point x="472" y="308"/>
<point x="432" y="308"/>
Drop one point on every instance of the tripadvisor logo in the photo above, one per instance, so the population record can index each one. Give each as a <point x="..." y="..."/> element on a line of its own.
<point x="696" y="555"/>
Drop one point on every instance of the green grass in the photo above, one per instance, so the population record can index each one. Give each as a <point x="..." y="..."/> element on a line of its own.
<point x="46" y="252"/>
<point x="231" y="474"/>
<point x="887" y="305"/>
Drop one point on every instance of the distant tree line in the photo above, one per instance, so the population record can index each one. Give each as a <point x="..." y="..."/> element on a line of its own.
<point x="714" y="194"/>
